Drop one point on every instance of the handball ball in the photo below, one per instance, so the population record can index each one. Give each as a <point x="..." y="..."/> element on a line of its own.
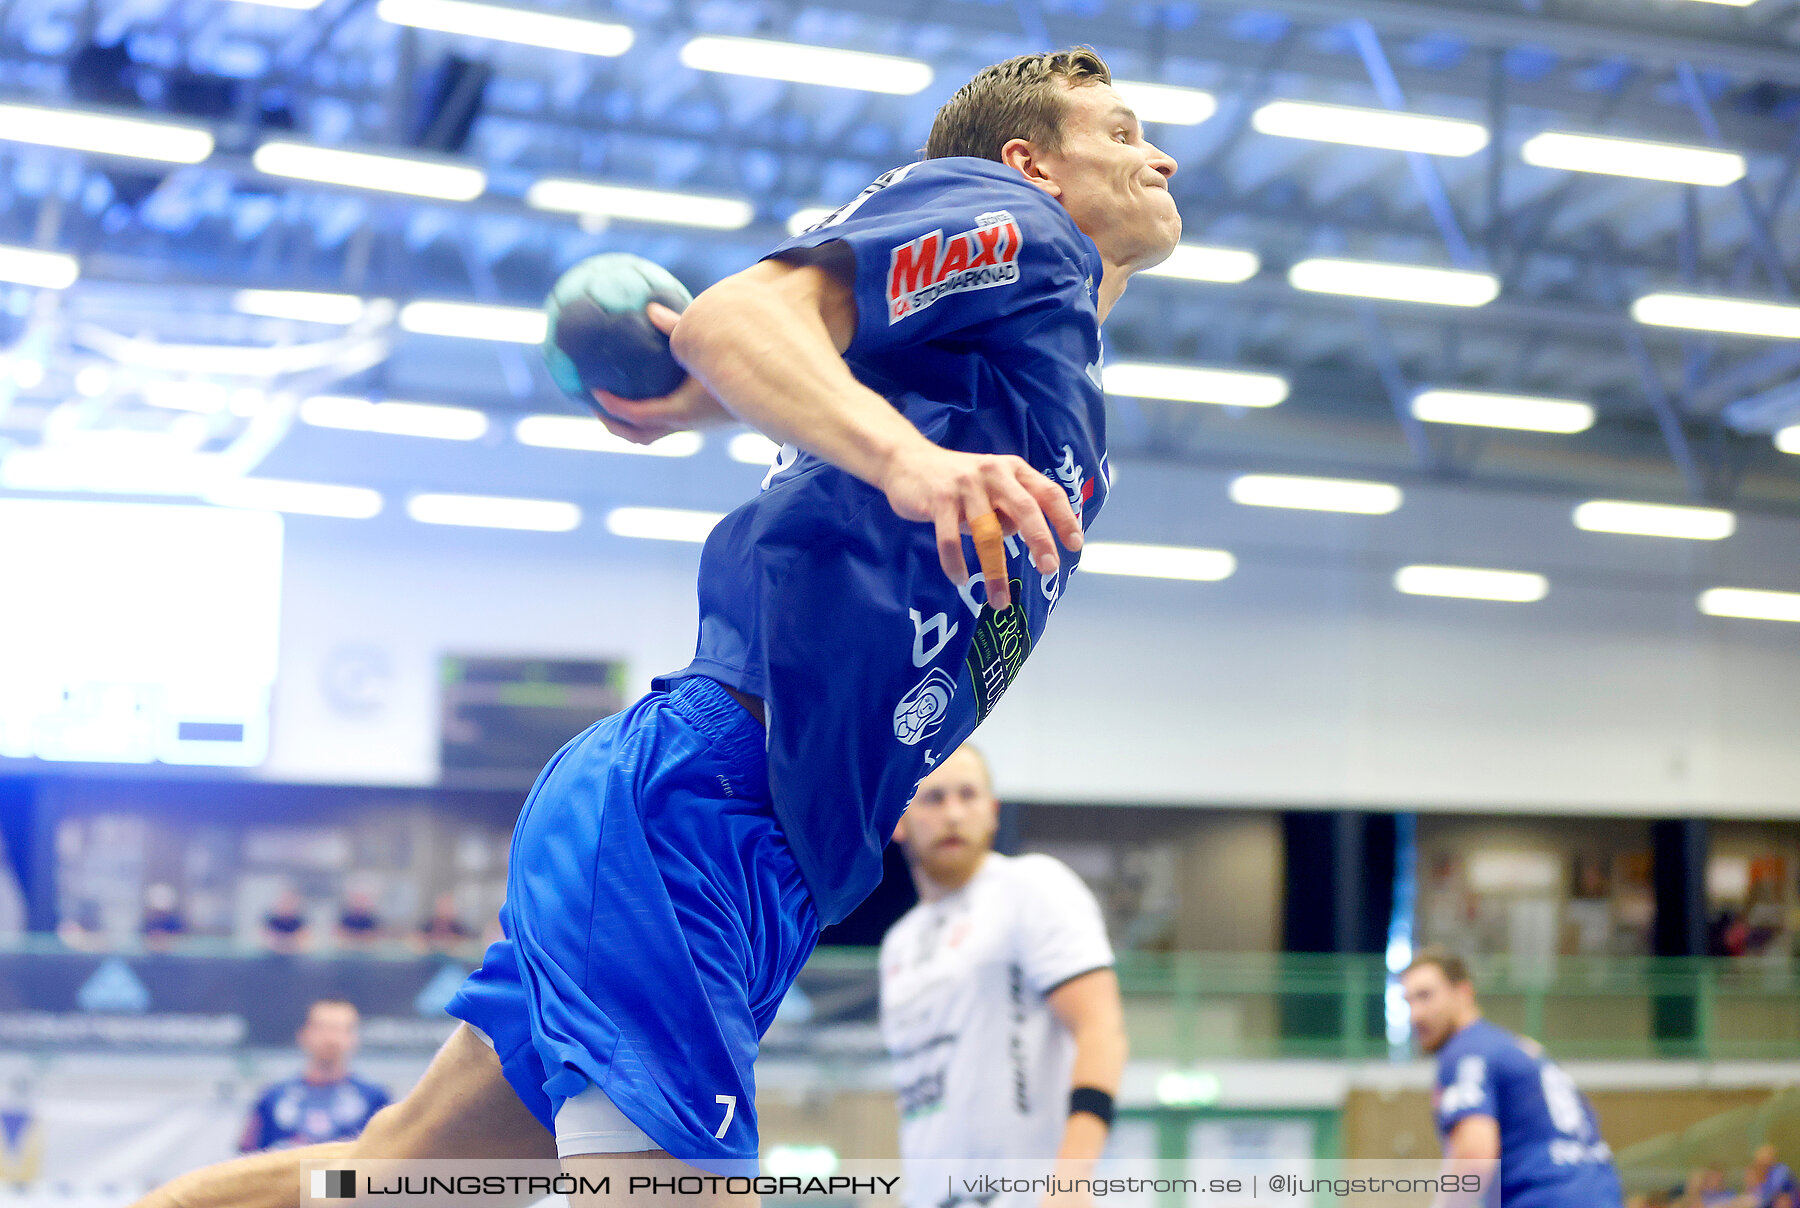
<point x="599" y="337"/>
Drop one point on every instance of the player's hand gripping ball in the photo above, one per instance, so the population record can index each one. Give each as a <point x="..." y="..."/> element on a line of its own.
<point x="598" y="336"/>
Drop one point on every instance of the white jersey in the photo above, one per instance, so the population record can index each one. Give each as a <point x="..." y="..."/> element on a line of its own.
<point x="981" y="1064"/>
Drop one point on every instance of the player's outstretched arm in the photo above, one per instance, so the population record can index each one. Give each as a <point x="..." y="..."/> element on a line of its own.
<point x="768" y="343"/>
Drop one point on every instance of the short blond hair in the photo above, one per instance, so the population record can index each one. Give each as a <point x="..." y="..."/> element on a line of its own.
<point x="1024" y="97"/>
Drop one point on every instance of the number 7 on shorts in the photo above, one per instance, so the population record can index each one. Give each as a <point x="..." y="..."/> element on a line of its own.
<point x="730" y="1102"/>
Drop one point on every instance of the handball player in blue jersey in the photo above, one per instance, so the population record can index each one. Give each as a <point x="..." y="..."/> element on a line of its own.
<point x="929" y="356"/>
<point x="1501" y="1103"/>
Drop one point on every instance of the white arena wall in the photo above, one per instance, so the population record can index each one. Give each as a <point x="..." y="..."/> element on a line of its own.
<point x="1305" y="679"/>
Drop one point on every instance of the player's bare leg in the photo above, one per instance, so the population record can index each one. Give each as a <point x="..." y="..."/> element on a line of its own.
<point x="619" y="1170"/>
<point x="461" y="1108"/>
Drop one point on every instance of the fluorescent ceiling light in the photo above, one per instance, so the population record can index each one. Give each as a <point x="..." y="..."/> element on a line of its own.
<point x="1469" y="583"/>
<point x="473" y="321"/>
<point x="297" y="304"/>
<point x="393" y="419"/>
<point x="509" y="25"/>
<point x="1383" y="128"/>
<point x="46" y="270"/>
<point x="302" y="498"/>
<point x="807" y="216"/>
<point x="297" y="5"/>
<point x="1655" y="520"/>
<point x="495" y="511"/>
<point x="27" y="373"/>
<point x="1733" y="316"/>
<point x="1788" y="439"/>
<point x="802" y="64"/>
<point x="92" y="381"/>
<point x="1167" y="103"/>
<point x="1156" y="561"/>
<point x="753" y="449"/>
<point x="1196" y="262"/>
<point x="589" y="435"/>
<point x="662" y="524"/>
<point x="1315" y="494"/>
<point x="640" y="205"/>
<point x="1526" y="413"/>
<point x="1395" y="282"/>
<point x="1187" y="384"/>
<point x="1751" y="605"/>
<point x="1633" y="157"/>
<point x="362" y="170"/>
<point x="105" y="134"/>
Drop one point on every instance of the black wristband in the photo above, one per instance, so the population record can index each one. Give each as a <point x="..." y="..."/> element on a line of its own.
<point x="1093" y="1101"/>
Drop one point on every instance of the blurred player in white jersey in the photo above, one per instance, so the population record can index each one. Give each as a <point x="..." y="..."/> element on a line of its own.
<point x="999" y="1005"/>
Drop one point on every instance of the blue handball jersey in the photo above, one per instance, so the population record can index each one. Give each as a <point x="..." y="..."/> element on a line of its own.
<point x="1551" y="1151"/>
<point x="976" y="300"/>
<point x="298" y="1112"/>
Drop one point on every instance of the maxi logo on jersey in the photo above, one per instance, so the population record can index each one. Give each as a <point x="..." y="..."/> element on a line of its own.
<point x="933" y="267"/>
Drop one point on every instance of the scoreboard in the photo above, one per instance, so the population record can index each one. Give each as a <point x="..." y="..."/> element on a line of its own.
<point x="137" y="633"/>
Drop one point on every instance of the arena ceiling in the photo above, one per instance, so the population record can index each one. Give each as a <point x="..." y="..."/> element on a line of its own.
<point x="151" y="343"/>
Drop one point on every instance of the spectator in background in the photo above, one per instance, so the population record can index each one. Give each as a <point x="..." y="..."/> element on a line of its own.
<point x="284" y="927"/>
<point x="444" y="931"/>
<point x="1769" y="1183"/>
<point x="325" y="1102"/>
<point x="1706" y="1189"/>
<point x="358" y="925"/>
<point x="163" y="921"/>
<point x="1729" y="934"/>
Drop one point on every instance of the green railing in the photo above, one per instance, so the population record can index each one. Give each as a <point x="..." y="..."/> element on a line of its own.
<point x="1189" y="1007"/>
<point x="1212" y="1006"/>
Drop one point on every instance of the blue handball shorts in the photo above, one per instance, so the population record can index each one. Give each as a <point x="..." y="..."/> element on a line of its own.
<point x="654" y="920"/>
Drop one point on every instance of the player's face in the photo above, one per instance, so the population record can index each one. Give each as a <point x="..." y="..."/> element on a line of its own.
<point x="1435" y="1005"/>
<point x="1113" y="182"/>
<point x="330" y="1033"/>
<point x="950" y="824"/>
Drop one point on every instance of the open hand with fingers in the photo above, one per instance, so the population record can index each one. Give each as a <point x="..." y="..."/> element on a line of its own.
<point x="990" y="497"/>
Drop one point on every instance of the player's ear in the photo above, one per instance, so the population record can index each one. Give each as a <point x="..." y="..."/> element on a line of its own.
<point x="1020" y="154"/>
<point x="900" y="830"/>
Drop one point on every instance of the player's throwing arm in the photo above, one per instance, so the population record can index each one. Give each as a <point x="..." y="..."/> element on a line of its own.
<point x="768" y="344"/>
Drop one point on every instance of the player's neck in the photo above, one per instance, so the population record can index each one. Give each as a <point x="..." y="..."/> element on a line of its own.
<point x="931" y="889"/>
<point x="1112" y="285"/>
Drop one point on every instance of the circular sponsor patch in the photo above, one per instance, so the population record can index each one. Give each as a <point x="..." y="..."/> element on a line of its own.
<point x="921" y="712"/>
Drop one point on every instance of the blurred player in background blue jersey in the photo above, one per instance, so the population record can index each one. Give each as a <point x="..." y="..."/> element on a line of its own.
<point x="325" y="1101"/>
<point x="930" y="357"/>
<point x="1500" y="1099"/>
<point x="1769" y="1182"/>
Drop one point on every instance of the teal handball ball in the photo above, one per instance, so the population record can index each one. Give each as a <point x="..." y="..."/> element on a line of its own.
<point x="598" y="336"/>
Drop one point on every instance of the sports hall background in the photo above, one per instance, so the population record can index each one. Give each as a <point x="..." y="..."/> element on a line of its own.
<point x="272" y="642"/>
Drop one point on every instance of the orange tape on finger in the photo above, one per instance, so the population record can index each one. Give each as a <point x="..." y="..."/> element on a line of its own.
<point x="990" y="546"/>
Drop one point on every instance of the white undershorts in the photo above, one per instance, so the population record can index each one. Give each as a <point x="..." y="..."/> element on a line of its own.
<point x="591" y="1123"/>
